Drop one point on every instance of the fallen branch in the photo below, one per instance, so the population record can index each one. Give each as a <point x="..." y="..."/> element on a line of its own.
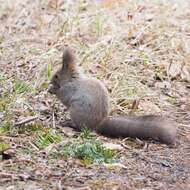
<point x="23" y="177"/>
<point x="27" y="120"/>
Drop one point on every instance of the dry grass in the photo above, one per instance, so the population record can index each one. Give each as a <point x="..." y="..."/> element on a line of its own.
<point x="140" y="49"/>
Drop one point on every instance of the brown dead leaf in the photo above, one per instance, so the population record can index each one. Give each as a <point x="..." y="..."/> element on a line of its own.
<point x="174" y="70"/>
<point x="68" y="131"/>
<point x="113" y="146"/>
<point x="115" y="166"/>
<point x="185" y="73"/>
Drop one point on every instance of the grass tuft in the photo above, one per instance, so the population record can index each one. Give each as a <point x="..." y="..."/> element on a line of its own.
<point x="87" y="149"/>
<point x="49" y="71"/>
<point x="4" y="146"/>
<point x="5" y="128"/>
<point x="45" y="138"/>
<point x="30" y="128"/>
<point x="21" y="87"/>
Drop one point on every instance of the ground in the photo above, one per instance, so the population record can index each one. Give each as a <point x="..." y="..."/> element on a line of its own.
<point x="139" y="49"/>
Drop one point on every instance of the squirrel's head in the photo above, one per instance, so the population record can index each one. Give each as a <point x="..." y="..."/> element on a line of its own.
<point x="66" y="73"/>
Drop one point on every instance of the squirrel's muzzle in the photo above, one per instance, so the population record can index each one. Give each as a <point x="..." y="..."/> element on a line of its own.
<point x="51" y="89"/>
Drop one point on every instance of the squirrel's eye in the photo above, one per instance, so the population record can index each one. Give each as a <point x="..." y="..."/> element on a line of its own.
<point x="56" y="76"/>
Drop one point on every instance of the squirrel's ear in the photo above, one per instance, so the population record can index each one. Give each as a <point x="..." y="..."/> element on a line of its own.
<point x="68" y="60"/>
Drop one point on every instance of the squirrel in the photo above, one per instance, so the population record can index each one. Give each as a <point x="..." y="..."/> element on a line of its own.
<point x="88" y="103"/>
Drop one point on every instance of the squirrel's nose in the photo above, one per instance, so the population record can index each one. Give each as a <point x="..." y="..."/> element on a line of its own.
<point x="51" y="89"/>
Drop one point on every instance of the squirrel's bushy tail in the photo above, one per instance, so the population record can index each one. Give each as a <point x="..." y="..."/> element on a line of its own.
<point x="142" y="127"/>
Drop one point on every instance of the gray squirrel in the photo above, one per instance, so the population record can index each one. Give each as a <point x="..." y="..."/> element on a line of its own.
<point x="88" y="103"/>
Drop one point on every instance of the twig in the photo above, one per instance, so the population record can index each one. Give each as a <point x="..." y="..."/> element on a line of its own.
<point x="14" y="176"/>
<point x="27" y="120"/>
<point x="134" y="106"/>
<point x="53" y="120"/>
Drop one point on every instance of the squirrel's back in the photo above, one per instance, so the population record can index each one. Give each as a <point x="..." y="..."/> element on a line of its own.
<point x="90" y="103"/>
